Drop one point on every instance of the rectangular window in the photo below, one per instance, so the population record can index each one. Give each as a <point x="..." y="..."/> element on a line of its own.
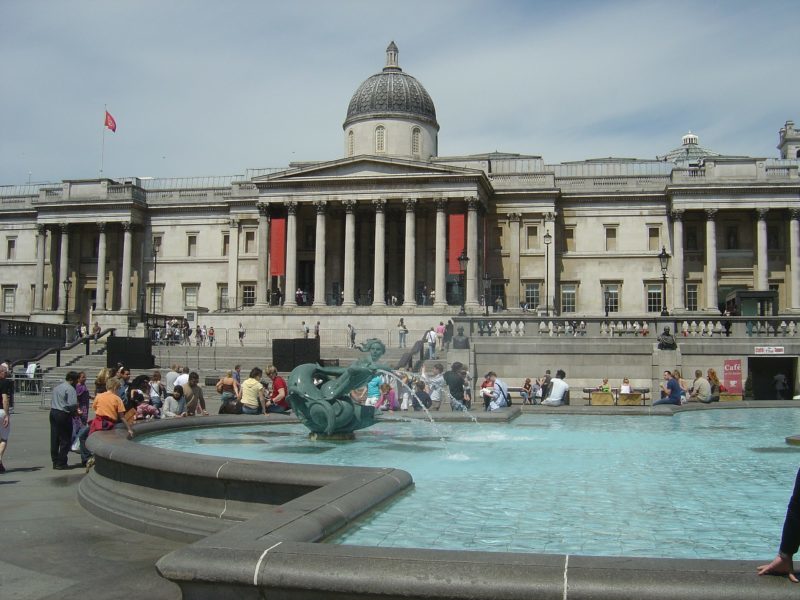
<point x="156" y="305"/>
<point x="9" y="299"/>
<point x="691" y="296"/>
<point x="568" y="297"/>
<point x="654" y="300"/>
<point x="691" y="238"/>
<point x="249" y="242"/>
<point x="653" y="239"/>
<point x="532" y="295"/>
<point x="611" y="297"/>
<point x="568" y="245"/>
<point x="248" y="295"/>
<point x="191" y="245"/>
<point x="226" y="243"/>
<point x="732" y="237"/>
<point x="190" y="293"/>
<point x="222" y="297"/>
<point x="611" y="239"/>
<point x="11" y="248"/>
<point x="533" y="237"/>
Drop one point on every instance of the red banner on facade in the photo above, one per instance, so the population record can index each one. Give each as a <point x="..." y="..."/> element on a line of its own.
<point x="456" y="237"/>
<point x="277" y="246"/>
<point x="732" y="378"/>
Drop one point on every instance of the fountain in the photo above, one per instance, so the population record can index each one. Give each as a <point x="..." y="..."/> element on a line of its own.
<point x="324" y="398"/>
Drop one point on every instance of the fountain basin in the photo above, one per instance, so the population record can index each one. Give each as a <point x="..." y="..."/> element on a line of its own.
<point x="261" y="542"/>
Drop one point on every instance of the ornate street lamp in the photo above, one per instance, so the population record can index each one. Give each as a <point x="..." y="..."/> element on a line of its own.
<point x="463" y="259"/>
<point x="606" y="295"/>
<point x="67" y="283"/>
<point x="663" y="258"/>
<point x="156" y="248"/>
<point x="487" y="286"/>
<point x="548" y="239"/>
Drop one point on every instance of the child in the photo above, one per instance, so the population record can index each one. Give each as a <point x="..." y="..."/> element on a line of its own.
<point x="527" y="391"/>
<point x="604" y="387"/>
<point x="625" y="388"/>
<point x="422" y="398"/>
<point x="388" y="398"/>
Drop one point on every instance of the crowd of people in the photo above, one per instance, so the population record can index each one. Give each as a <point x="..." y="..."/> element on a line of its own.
<point x="546" y="390"/>
<point x="677" y="391"/>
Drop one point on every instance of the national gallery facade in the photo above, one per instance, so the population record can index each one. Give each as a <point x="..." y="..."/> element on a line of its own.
<point x="393" y="229"/>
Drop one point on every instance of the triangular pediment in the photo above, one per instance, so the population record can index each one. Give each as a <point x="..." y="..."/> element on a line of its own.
<point x="366" y="167"/>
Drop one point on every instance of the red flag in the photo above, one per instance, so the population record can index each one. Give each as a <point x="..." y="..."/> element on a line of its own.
<point x="110" y="122"/>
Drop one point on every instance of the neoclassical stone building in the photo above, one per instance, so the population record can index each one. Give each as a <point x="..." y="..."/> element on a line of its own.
<point x="375" y="232"/>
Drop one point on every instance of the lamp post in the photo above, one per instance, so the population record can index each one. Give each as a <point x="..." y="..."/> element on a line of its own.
<point x="67" y="283"/>
<point x="548" y="239"/>
<point x="606" y="296"/>
<point x="156" y="248"/>
<point x="663" y="258"/>
<point x="463" y="259"/>
<point x="487" y="286"/>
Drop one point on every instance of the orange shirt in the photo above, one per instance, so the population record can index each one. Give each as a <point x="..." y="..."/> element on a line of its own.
<point x="108" y="405"/>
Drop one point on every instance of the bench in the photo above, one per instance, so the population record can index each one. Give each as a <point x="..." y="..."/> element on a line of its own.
<point x="729" y="397"/>
<point x="598" y="398"/>
<point x="631" y="399"/>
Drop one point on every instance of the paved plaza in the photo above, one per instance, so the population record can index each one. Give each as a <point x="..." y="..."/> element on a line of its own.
<point x="52" y="547"/>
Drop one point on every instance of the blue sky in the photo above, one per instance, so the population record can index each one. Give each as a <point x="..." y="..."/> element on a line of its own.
<point x="211" y="88"/>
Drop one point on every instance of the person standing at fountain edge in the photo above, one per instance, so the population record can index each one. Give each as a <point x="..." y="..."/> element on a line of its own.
<point x="277" y="402"/>
<point x="454" y="379"/>
<point x="559" y="390"/>
<point x="790" y="539"/>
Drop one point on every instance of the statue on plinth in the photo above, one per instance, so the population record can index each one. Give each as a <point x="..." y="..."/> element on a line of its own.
<point x="460" y="341"/>
<point x="666" y="341"/>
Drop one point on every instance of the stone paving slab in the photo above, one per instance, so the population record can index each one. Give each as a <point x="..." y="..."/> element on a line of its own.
<point x="54" y="549"/>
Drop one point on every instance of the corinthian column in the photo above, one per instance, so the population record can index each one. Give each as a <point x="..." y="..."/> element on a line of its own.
<point x="127" y="248"/>
<point x="38" y="293"/>
<point x="263" y="254"/>
<point x="440" y="280"/>
<point x="794" y="259"/>
<point x="100" y="299"/>
<point x="513" y="275"/>
<point x="762" y="283"/>
<point x="677" y="260"/>
<point x="319" y="254"/>
<point x="410" y="253"/>
<point x="379" y="286"/>
<point x="291" y="253"/>
<point x="711" y="260"/>
<point x="349" y="253"/>
<point x="63" y="271"/>
<point x="233" y="264"/>
<point x="472" y="251"/>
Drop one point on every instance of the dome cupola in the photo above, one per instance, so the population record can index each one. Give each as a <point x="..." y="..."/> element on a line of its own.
<point x="391" y="113"/>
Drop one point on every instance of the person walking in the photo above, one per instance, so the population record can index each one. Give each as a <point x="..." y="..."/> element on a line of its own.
<point x="5" y="411"/>
<point x="431" y="339"/>
<point x="63" y="405"/>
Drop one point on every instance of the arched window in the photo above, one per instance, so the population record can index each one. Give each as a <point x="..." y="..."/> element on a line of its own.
<point x="380" y="139"/>
<point x="351" y="143"/>
<point x="416" y="141"/>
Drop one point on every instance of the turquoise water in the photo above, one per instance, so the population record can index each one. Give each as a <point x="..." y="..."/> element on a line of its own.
<point x="705" y="484"/>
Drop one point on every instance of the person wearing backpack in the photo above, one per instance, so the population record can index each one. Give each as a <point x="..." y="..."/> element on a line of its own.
<point x="501" y="397"/>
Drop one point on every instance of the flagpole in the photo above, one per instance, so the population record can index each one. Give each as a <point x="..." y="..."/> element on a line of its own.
<point x="103" y="140"/>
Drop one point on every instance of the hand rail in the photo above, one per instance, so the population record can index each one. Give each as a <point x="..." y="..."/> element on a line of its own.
<point x="57" y="349"/>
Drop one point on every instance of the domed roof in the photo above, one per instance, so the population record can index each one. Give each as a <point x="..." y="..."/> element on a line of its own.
<point x="391" y="93"/>
<point x="690" y="150"/>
